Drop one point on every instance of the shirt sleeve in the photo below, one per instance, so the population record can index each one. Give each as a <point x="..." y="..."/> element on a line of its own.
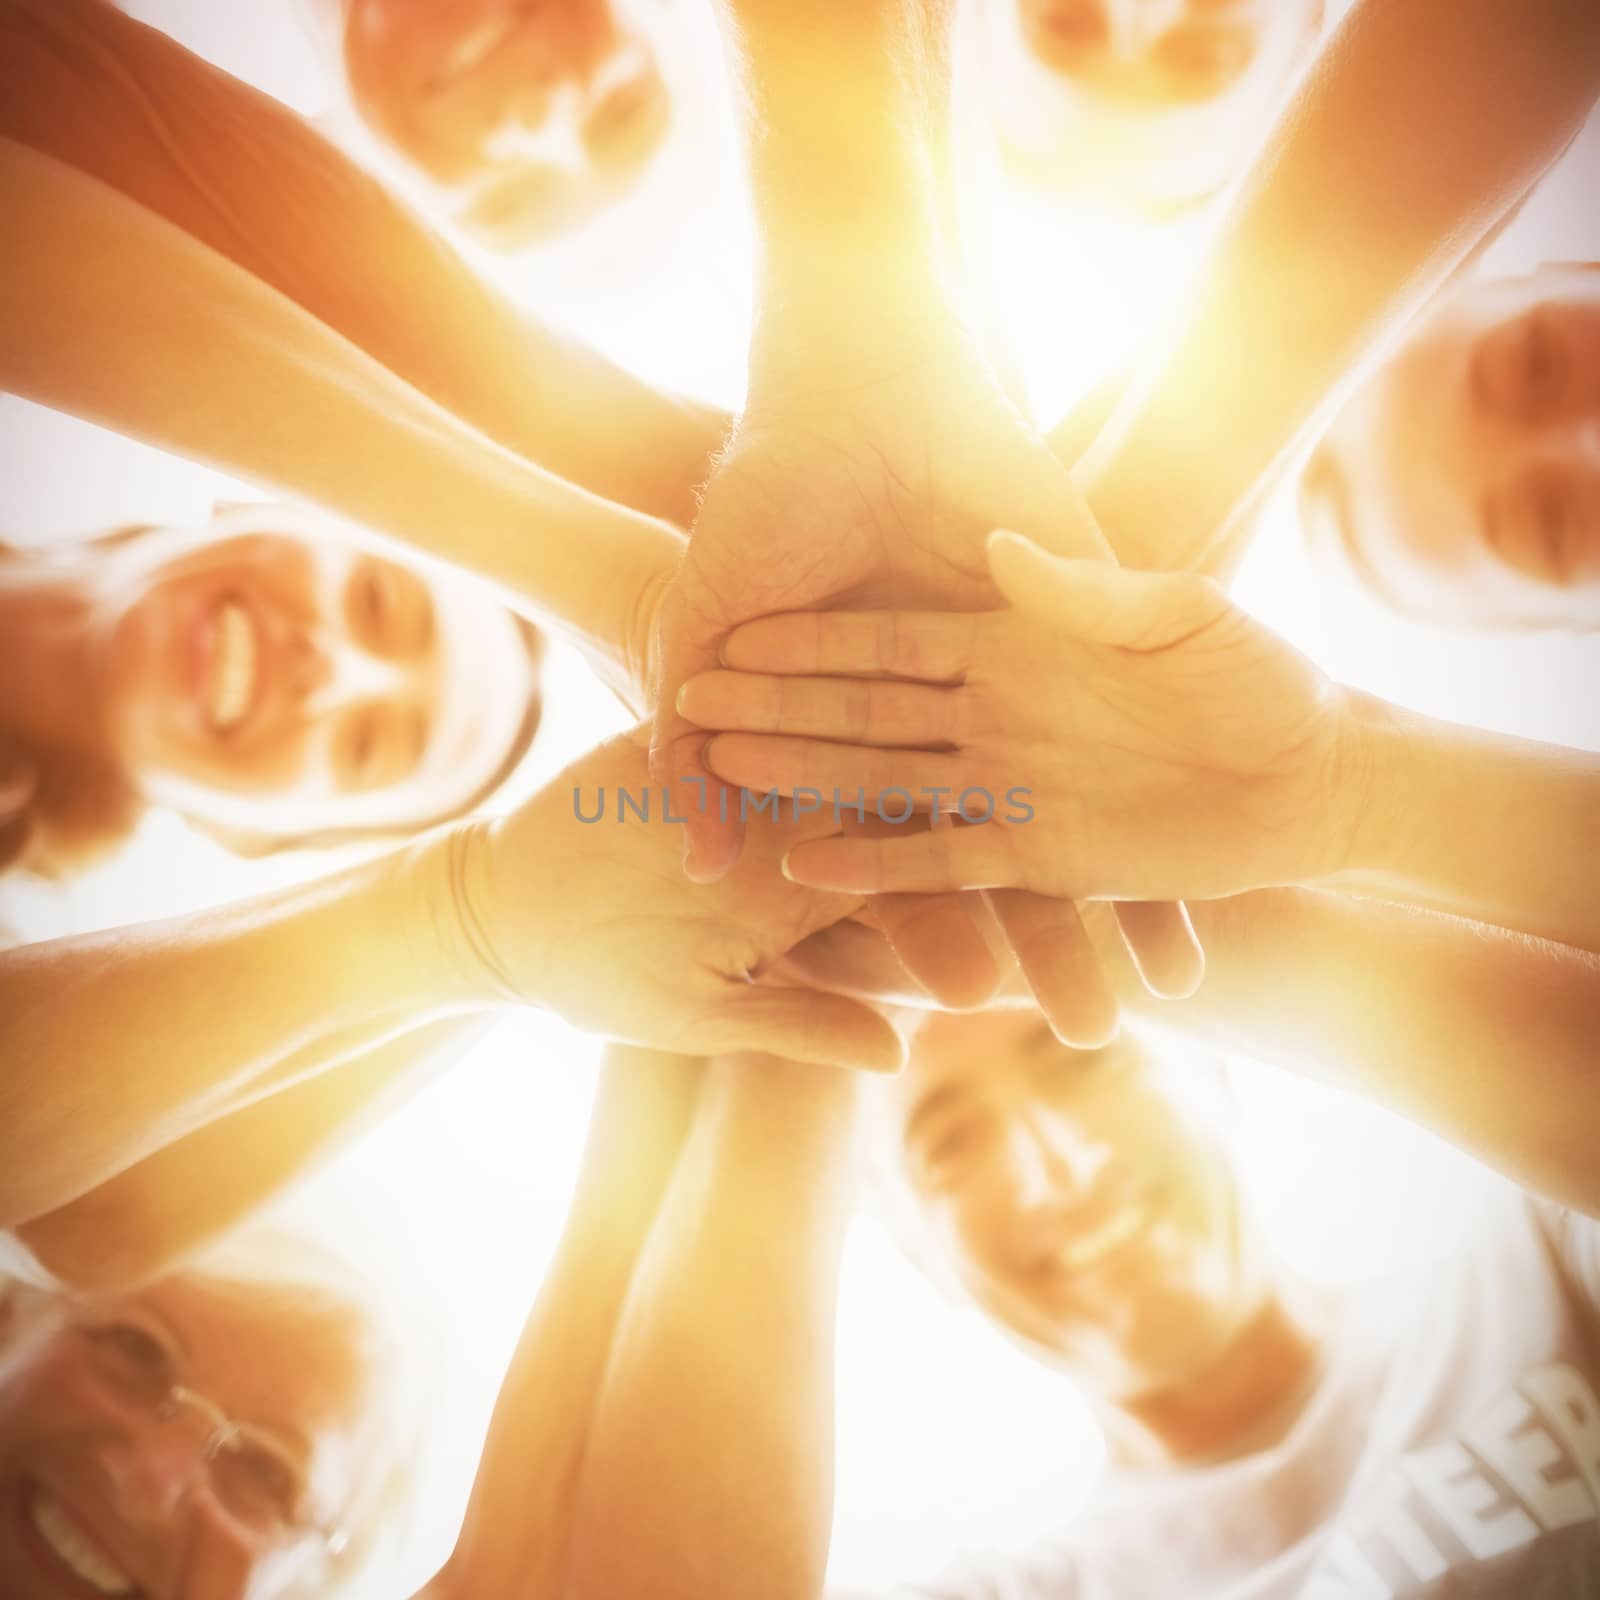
<point x="1574" y="1240"/>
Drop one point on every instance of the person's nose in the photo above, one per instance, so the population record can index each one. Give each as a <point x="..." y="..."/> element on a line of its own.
<point x="308" y="663"/>
<point x="1054" y="1168"/>
<point x="339" y="673"/>
<point x="150" y="1469"/>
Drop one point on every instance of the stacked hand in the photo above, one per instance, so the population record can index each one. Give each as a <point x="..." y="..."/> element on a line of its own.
<point x="637" y="952"/>
<point x="1169" y="746"/>
<point x="877" y="491"/>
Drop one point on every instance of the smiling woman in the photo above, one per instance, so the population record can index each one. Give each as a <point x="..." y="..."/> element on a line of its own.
<point x="277" y="686"/>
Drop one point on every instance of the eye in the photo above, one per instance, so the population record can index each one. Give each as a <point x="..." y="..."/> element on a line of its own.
<point x="1519" y="369"/>
<point x="131" y="1357"/>
<point x="1533" y="526"/>
<point x="363" y="745"/>
<point x="257" y="1484"/>
<point x="371" y="603"/>
<point x="1540" y="366"/>
<point x="388" y="609"/>
<point x="1553" y="520"/>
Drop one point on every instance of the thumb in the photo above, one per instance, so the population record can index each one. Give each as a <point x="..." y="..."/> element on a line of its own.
<point x="804" y="1025"/>
<point x="1100" y="602"/>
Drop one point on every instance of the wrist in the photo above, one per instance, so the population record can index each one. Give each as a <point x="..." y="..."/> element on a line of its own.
<point x="447" y="882"/>
<point x="1370" y="805"/>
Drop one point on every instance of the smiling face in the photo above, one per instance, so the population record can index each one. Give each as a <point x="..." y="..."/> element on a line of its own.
<point x="526" y="118"/>
<point x="262" y="682"/>
<point x="1465" y="478"/>
<point x="103" y="1491"/>
<point x="1083" y="1203"/>
<point x="1146" y="103"/>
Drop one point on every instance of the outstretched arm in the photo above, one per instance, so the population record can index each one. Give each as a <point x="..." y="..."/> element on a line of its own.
<point x="1485" y="1037"/>
<point x="517" y="1537"/>
<point x="120" y="1043"/>
<point x="876" y="448"/>
<point x="245" y="176"/>
<point x="111" y="313"/>
<point x="712" y="1444"/>
<point x="1188" y="751"/>
<point x="1418" y="126"/>
<point x="142" y="1223"/>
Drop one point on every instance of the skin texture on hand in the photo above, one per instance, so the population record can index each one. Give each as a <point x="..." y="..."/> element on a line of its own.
<point x="877" y="491"/>
<point x="1181" y="750"/>
<point x="596" y="920"/>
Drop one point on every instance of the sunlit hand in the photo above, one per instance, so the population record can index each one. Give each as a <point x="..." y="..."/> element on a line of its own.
<point x="1168" y="746"/>
<point x="873" y="493"/>
<point x="597" y="921"/>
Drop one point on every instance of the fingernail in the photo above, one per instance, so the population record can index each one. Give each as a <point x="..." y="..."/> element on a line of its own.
<point x="680" y="697"/>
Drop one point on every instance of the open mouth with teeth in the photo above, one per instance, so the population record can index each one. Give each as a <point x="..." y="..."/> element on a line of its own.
<point x="66" y="1553"/>
<point x="233" y="667"/>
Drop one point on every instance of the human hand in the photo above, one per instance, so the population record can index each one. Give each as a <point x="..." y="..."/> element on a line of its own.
<point x="1181" y="750"/>
<point x="879" y="489"/>
<point x="596" y="921"/>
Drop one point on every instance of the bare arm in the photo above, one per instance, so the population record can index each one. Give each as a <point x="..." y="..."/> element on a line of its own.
<point x="1486" y="1037"/>
<point x="118" y="1044"/>
<point x="142" y="1223"/>
<point x="713" y="1440"/>
<point x="121" y="1044"/>
<point x="247" y="177"/>
<point x="1497" y="829"/>
<point x="1419" y="125"/>
<point x="113" y="314"/>
<point x="516" y="1540"/>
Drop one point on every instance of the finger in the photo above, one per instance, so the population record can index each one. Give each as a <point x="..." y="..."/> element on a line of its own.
<point x="1099" y="601"/>
<point x="1043" y="504"/>
<point x="852" y="959"/>
<point x="930" y="862"/>
<point x="1164" y="946"/>
<point x="856" y="711"/>
<point x="938" y="939"/>
<point x="891" y="781"/>
<point x="1056" y="956"/>
<point x="931" y="646"/>
<point x="713" y="829"/>
<point x="804" y="1025"/>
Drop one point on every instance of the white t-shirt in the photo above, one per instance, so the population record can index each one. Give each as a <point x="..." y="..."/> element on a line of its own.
<point x="1450" y="1452"/>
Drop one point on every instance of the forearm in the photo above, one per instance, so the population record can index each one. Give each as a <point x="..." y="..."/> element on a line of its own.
<point x="518" y="1529"/>
<point x="144" y="1222"/>
<point x="1419" y="125"/>
<point x="247" y="177"/>
<point x="120" y="1043"/>
<point x="1485" y="1037"/>
<point x="115" y="315"/>
<point x="1492" y="828"/>
<point x="713" y="1440"/>
<point x="848" y="137"/>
